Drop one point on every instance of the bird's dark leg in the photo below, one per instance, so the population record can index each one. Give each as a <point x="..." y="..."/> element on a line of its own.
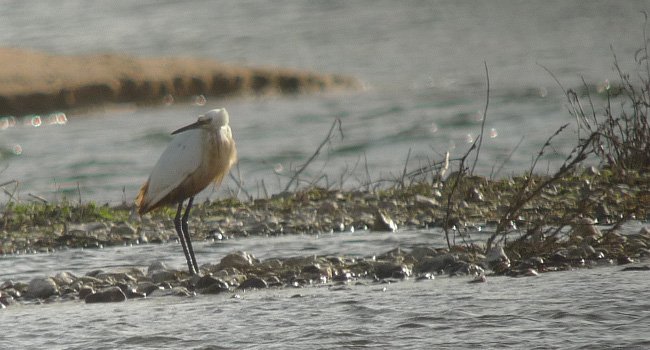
<point x="186" y="232"/>
<point x="181" y="236"/>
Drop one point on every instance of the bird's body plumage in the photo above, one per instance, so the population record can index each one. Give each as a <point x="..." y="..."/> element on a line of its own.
<point x="199" y="154"/>
<point x="194" y="159"/>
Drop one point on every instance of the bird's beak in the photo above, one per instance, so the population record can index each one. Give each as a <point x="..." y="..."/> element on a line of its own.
<point x="199" y="123"/>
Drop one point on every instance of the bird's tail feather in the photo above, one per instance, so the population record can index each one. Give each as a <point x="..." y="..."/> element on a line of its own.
<point x="139" y="200"/>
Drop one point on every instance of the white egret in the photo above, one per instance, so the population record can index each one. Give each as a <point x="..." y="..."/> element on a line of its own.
<point x="199" y="154"/>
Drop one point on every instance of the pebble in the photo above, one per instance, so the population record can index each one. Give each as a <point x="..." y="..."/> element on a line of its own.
<point x="392" y="270"/>
<point x="479" y="279"/>
<point x="160" y="276"/>
<point x="237" y="260"/>
<point x="124" y="229"/>
<point x="156" y="266"/>
<point x="107" y="295"/>
<point x="219" y="286"/>
<point x="426" y="276"/>
<point x="206" y="281"/>
<point x="85" y="291"/>
<point x="254" y="283"/>
<point x="384" y="223"/>
<point x="64" y="278"/>
<point x="42" y="288"/>
<point x="637" y="268"/>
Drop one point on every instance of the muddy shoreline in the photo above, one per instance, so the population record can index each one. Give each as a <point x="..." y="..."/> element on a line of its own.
<point x="37" y="82"/>
<point x="477" y="202"/>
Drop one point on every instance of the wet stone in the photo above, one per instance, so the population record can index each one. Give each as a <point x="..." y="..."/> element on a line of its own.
<point x="391" y="270"/>
<point x="64" y="278"/>
<point x="559" y="257"/>
<point x="146" y="288"/>
<point x="479" y="279"/>
<point x="530" y="272"/>
<point x="425" y="276"/>
<point x="12" y="292"/>
<point x="384" y="223"/>
<point x="107" y="295"/>
<point x="274" y="281"/>
<point x="124" y="229"/>
<point x="237" y="260"/>
<point x="215" y="288"/>
<point x="116" y="276"/>
<point x="42" y="287"/>
<point x="6" y="299"/>
<point x="342" y="277"/>
<point x="435" y="263"/>
<point x="623" y="260"/>
<point x="636" y="268"/>
<point x="156" y="266"/>
<point x="421" y="252"/>
<point x="163" y="276"/>
<point x="130" y="291"/>
<point x="206" y="281"/>
<point x="312" y="268"/>
<point x="535" y="262"/>
<point x="254" y="283"/>
<point x="462" y="268"/>
<point x="393" y="253"/>
<point x="85" y="291"/>
<point x="7" y="284"/>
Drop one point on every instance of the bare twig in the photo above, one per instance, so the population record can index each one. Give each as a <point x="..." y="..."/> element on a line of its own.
<point x="316" y="153"/>
<point x="507" y="159"/>
<point x="39" y="198"/>
<point x="525" y="195"/>
<point x="240" y="183"/>
<point x="408" y="156"/>
<point x="11" y="195"/>
<point x="368" y="179"/>
<point x="487" y="103"/>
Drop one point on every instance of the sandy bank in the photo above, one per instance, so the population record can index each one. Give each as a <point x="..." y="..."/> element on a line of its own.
<point x="36" y="82"/>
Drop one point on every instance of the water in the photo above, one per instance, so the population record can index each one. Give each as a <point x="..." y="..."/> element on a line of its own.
<point x="598" y="308"/>
<point x="538" y="313"/>
<point x="422" y="63"/>
<point x="423" y="66"/>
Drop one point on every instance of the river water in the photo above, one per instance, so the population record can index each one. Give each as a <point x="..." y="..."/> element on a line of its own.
<point x="599" y="308"/>
<point x="422" y="64"/>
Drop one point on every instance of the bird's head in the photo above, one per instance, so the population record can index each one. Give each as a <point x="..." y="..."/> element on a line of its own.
<point x="212" y="120"/>
<point x="216" y="117"/>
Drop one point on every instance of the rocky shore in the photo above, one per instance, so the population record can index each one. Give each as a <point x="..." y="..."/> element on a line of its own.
<point x="37" y="82"/>
<point x="240" y="271"/>
<point x="568" y="239"/>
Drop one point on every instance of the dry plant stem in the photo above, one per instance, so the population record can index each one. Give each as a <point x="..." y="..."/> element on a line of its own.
<point x="487" y="103"/>
<point x="459" y="175"/>
<point x="8" y="183"/>
<point x="40" y="199"/>
<point x="408" y="156"/>
<point x="437" y="166"/>
<point x="327" y="139"/>
<point x="11" y="195"/>
<point x="524" y="196"/>
<point x="461" y="168"/>
<point x="507" y="159"/>
<point x="240" y="184"/>
<point x="365" y="164"/>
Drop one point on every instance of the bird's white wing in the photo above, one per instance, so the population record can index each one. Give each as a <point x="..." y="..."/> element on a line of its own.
<point x="181" y="158"/>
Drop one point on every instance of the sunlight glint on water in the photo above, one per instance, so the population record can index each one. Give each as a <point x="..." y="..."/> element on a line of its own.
<point x="423" y="65"/>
